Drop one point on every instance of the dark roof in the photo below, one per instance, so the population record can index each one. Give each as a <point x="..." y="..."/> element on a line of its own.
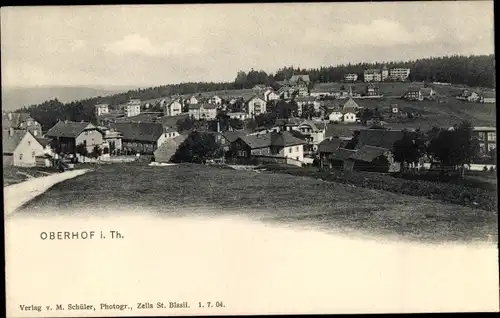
<point x="285" y="139"/>
<point x="379" y="138"/>
<point x="330" y="145"/>
<point x="282" y="139"/>
<point x="149" y="132"/>
<point x="233" y="135"/>
<point x="168" y="148"/>
<point x="10" y="143"/>
<point x="342" y="154"/>
<point x="43" y="141"/>
<point x="171" y="121"/>
<point x="68" y="129"/>
<point x="143" y="117"/>
<point x="341" y="130"/>
<point x="368" y="153"/>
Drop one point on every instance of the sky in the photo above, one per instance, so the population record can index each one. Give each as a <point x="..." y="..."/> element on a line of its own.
<point x="166" y="44"/>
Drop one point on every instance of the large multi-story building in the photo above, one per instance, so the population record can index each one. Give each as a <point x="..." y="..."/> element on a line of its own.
<point x="132" y="108"/>
<point x="373" y="75"/>
<point x="400" y="74"/>
<point x="487" y="137"/>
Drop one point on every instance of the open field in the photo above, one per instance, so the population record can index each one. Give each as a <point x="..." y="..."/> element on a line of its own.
<point x="265" y="196"/>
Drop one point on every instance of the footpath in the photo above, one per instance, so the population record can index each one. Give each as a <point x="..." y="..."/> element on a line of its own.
<point x="18" y="194"/>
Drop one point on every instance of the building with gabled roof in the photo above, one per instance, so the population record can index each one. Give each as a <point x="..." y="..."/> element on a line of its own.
<point x="20" y="148"/>
<point x="67" y="135"/>
<point x="21" y="121"/>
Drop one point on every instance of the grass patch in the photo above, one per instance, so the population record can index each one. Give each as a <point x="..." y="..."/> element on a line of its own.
<point x="276" y="197"/>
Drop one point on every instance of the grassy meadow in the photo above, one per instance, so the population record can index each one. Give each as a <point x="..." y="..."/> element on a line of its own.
<point x="273" y="197"/>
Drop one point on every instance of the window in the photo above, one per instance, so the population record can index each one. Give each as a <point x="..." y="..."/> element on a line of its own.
<point x="33" y="154"/>
<point x="29" y="143"/>
<point x="21" y="156"/>
<point x="491" y="136"/>
<point x="290" y="150"/>
<point x="296" y="148"/>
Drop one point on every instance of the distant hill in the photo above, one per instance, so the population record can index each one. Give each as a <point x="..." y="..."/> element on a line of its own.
<point x="18" y="97"/>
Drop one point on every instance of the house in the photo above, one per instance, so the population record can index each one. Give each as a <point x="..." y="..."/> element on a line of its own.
<point x="66" y="135"/>
<point x="301" y="90"/>
<point x="132" y="108"/>
<point x="256" y="106"/>
<point x="349" y="117"/>
<point x="270" y="95"/>
<point x="487" y="137"/>
<point x="193" y="100"/>
<point x="351" y="106"/>
<point x="314" y="132"/>
<point x="141" y="137"/>
<point x="488" y="100"/>
<point x="372" y="75"/>
<point x="168" y="148"/>
<point x="372" y="90"/>
<point x="21" y="121"/>
<point x="216" y="100"/>
<point x="259" y="87"/>
<point x="280" y="147"/>
<point x="203" y="111"/>
<point x="112" y="140"/>
<point x="173" y="108"/>
<point x="225" y="139"/>
<point x="327" y="147"/>
<point x="414" y="93"/>
<point x="385" y="73"/>
<point x="238" y="115"/>
<point x="300" y="80"/>
<point x="45" y="142"/>
<point x="469" y="96"/>
<point x="101" y="109"/>
<point x="399" y="74"/>
<point x="307" y="100"/>
<point x="350" y="77"/>
<point x="20" y="148"/>
<point x="285" y="92"/>
<point x="368" y="158"/>
<point x="335" y="116"/>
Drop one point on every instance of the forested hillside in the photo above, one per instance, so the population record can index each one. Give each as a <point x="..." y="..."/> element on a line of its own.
<point x="476" y="71"/>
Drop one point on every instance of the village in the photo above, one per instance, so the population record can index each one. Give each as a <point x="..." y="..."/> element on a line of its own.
<point x="298" y="124"/>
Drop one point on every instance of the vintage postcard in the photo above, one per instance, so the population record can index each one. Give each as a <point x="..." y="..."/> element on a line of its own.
<point x="235" y="159"/>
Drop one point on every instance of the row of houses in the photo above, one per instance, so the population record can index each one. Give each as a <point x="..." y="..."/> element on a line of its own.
<point x="380" y="75"/>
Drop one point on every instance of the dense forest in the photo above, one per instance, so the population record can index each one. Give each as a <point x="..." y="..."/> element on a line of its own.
<point x="475" y="71"/>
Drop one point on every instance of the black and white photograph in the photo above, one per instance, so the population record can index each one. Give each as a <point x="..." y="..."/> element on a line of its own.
<point x="249" y="159"/>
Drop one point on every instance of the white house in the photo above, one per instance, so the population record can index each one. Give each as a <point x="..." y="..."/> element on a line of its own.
<point x="174" y="108"/>
<point x="101" y="109"/>
<point x="256" y="106"/>
<point x="350" y="117"/>
<point x="20" y="148"/>
<point x="335" y="116"/>
<point x="351" y="77"/>
<point x="269" y="95"/>
<point x="203" y="111"/>
<point x="307" y="100"/>
<point x="132" y="108"/>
